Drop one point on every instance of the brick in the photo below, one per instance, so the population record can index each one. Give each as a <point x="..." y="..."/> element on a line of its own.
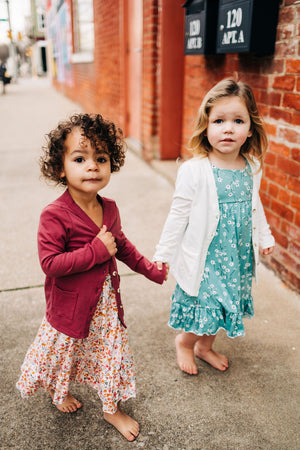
<point x="294" y="184"/>
<point x="281" y="114"/>
<point x="270" y="159"/>
<point x="280" y="238"/>
<point x="277" y="265"/>
<point x="284" y="196"/>
<point x="269" y="98"/>
<point x="286" y="82"/>
<point x="274" y="220"/>
<point x="296" y="154"/>
<point x="286" y="15"/>
<point x="264" y="185"/>
<point x="289" y="277"/>
<point x="290" y="230"/>
<point x="288" y="166"/>
<point x="271" y="129"/>
<point x="273" y="66"/>
<point x="291" y="101"/>
<point x="293" y="280"/>
<point x="282" y="210"/>
<point x="276" y="176"/>
<point x="289" y="134"/>
<point x="293" y="66"/>
<point x="295" y="119"/>
<point x="295" y="202"/>
<point x="279" y="148"/>
<point x="286" y="49"/>
<point x="255" y="81"/>
<point x="297" y="220"/>
<point x="287" y="259"/>
<point x="294" y="248"/>
<point x="286" y="31"/>
<point x="273" y="190"/>
<point x="264" y="110"/>
<point x="266" y="201"/>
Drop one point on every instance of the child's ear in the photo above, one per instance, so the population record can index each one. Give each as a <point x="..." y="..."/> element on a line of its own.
<point x="250" y="133"/>
<point x="62" y="174"/>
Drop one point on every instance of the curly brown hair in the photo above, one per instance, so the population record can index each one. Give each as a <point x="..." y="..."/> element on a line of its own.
<point x="96" y="129"/>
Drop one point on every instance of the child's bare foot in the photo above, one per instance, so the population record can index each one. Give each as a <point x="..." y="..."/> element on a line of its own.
<point x="124" y="424"/>
<point x="70" y="404"/>
<point x="185" y="355"/>
<point x="213" y="358"/>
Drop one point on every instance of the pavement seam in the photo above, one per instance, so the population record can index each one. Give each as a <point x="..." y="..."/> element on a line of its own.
<point x="42" y="285"/>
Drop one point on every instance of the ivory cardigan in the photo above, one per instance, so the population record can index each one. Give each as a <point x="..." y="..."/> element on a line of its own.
<point x="193" y="220"/>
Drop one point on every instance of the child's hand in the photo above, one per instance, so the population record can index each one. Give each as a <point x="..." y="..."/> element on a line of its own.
<point x="159" y="265"/>
<point x="108" y="240"/>
<point x="267" y="251"/>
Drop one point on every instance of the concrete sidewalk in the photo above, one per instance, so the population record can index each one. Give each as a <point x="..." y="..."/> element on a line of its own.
<point x="254" y="405"/>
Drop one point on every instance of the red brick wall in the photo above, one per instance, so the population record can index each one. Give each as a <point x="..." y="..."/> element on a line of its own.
<point x="276" y="84"/>
<point x="99" y="86"/>
<point x="151" y="26"/>
<point x="109" y="99"/>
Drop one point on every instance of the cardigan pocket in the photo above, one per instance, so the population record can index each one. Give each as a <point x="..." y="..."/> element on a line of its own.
<point x="64" y="302"/>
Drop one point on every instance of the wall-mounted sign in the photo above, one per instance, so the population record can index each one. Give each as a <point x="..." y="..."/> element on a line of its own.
<point x="200" y="26"/>
<point x="247" y="26"/>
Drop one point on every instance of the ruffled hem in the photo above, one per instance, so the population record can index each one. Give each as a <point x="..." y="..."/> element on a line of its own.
<point x="200" y="321"/>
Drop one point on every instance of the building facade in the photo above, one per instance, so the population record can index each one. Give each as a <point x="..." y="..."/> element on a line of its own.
<point x="126" y="60"/>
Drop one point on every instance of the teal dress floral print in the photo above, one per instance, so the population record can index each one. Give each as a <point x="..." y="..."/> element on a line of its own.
<point x="224" y="296"/>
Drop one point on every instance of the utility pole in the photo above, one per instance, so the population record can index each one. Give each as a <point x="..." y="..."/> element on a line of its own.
<point x="12" y="49"/>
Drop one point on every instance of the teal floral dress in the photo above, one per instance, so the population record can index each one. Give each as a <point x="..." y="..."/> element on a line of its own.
<point x="224" y="296"/>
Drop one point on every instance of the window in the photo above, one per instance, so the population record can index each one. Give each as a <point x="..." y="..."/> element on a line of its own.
<point x="40" y="19"/>
<point x="83" y="29"/>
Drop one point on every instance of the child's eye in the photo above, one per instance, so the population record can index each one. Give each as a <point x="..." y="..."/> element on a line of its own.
<point x="239" y="121"/>
<point x="218" y="121"/>
<point x="79" y="159"/>
<point x="102" y="159"/>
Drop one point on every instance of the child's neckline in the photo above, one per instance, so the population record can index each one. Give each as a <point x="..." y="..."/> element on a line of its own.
<point x="213" y="165"/>
<point x="232" y="170"/>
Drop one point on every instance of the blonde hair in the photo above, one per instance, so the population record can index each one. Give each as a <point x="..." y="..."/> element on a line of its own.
<point x="255" y="145"/>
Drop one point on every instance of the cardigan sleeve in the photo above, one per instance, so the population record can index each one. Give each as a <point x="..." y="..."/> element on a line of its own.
<point x="55" y="259"/>
<point x="266" y="239"/>
<point x="128" y="254"/>
<point x="178" y="216"/>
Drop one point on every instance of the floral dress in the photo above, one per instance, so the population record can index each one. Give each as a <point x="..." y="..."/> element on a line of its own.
<point x="224" y="296"/>
<point x="102" y="360"/>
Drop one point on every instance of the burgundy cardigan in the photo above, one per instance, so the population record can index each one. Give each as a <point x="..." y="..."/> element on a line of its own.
<point x="76" y="263"/>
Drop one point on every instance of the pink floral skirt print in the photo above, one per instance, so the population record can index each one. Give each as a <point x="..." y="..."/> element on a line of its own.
<point x="102" y="360"/>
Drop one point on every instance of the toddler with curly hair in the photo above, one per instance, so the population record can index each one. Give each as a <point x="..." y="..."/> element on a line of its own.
<point x="83" y="336"/>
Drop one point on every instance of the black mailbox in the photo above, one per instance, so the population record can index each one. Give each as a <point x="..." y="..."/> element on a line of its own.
<point x="247" y="26"/>
<point x="201" y="18"/>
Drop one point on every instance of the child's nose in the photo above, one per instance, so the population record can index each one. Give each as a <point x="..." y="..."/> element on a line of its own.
<point x="228" y="127"/>
<point x="92" y="165"/>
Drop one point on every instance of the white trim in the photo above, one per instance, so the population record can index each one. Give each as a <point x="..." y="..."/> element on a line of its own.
<point x="83" y="57"/>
